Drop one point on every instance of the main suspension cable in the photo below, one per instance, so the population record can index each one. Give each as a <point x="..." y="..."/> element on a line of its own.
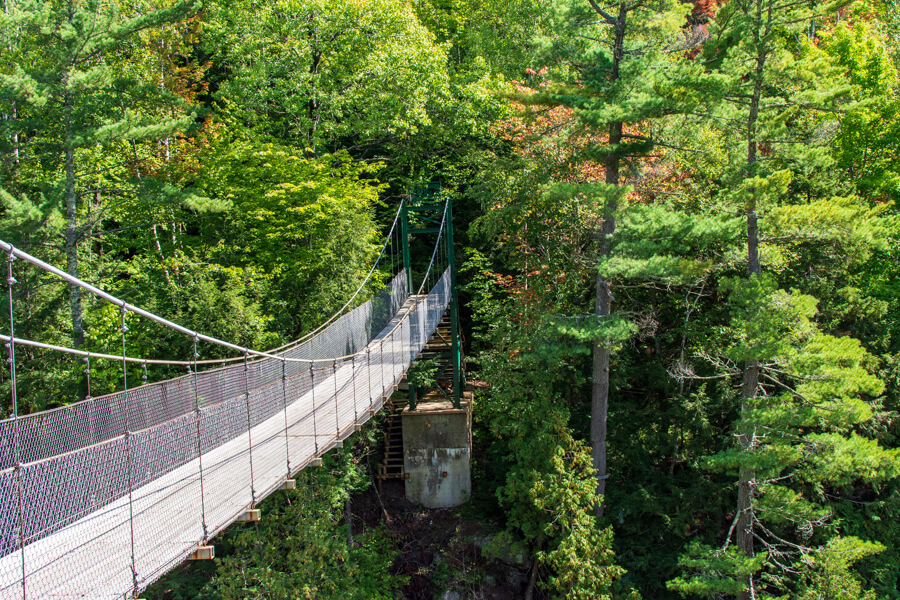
<point x="171" y="325"/>
<point x="11" y="340"/>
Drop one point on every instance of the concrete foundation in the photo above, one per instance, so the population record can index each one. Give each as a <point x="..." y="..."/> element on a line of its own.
<point x="437" y="452"/>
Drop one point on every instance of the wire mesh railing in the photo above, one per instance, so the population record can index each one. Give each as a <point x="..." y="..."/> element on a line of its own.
<point x="101" y="497"/>
<point x="97" y="419"/>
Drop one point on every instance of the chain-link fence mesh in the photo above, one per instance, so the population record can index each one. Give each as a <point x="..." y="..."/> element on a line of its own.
<point x="111" y="492"/>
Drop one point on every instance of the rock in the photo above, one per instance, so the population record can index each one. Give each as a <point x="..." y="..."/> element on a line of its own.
<point x="451" y="595"/>
<point x="514" y="577"/>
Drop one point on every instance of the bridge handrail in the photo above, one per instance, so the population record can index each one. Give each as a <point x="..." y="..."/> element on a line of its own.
<point x="81" y="474"/>
<point x="164" y="413"/>
<point x="13" y="251"/>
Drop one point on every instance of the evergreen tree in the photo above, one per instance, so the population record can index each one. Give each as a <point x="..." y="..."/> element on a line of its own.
<point x="803" y="392"/>
<point x="620" y="85"/>
<point x="67" y="102"/>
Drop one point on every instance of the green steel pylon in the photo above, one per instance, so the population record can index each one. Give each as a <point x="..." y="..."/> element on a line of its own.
<point x="423" y="201"/>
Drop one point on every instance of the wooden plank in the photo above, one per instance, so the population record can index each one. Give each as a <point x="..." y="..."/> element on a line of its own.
<point x="251" y="516"/>
<point x="203" y="553"/>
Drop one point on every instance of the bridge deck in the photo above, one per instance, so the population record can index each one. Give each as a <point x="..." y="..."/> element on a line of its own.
<point x="92" y="557"/>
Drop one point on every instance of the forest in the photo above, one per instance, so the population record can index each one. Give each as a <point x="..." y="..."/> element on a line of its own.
<point x="678" y="240"/>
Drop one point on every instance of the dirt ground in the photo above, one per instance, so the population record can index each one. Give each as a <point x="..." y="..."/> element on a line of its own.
<point x="440" y="550"/>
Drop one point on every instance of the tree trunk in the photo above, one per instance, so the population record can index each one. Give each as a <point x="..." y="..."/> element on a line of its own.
<point x="348" y="515"/>
<point x="313" y="104"/>
<point x="13" y="114"/>
<point x="604" y="296"/>
<point x="745" y="438"/>
<point x="751" y="369"/>
<point x="71" y="245"/>
<point x="600" y="398"/>
<point x="532" y="577"/>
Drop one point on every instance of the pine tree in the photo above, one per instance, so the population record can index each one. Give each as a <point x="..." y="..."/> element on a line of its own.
<point x="803" y="392"/>
<point x="621" y="82"/>
<point x="67" y="101"/>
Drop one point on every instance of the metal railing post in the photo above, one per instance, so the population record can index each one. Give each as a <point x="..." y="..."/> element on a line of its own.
<point x="337" y="417"/>
<point x="197" y="415"/>
<point x="129" y="457"/>
<point x="381" y="363"/>
<point x="287" y="447"/>
<point x="312" y="378"/>
<point x="353" y="375"/>
<point x="369" y="371"/>
<point x="11" y="360"/>
<point x="249" y="429"/>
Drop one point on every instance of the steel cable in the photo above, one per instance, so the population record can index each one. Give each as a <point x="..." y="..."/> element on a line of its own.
<point x="263" y="354"/>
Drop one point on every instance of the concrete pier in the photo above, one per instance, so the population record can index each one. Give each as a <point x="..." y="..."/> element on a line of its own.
<point x="437" y="451"/>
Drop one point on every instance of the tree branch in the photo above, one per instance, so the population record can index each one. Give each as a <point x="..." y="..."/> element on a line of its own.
<point x="606" y="16"/>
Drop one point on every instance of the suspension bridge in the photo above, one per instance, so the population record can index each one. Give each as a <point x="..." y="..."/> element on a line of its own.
<point x="102" y="497"/>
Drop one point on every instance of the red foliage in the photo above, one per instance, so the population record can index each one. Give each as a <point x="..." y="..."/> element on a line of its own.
<point x="552" y="135"/>
<point x="704" y="11"/>
<point x="697" y="25"/>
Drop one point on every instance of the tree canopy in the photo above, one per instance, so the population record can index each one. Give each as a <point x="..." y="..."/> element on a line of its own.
<point x="678" y="226"/>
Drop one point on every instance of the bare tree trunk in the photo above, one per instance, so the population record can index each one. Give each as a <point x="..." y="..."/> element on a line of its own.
<point x="160" y="253"/>
<point x="13" y="115"/>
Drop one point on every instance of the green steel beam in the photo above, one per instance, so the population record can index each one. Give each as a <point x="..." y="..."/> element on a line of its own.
<point x="404" y="237"/>
<point x="430" y="220"/>
<point x="454" y="312"/>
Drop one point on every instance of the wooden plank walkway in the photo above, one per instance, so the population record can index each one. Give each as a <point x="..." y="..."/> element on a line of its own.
<point x="92" y="557"/>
